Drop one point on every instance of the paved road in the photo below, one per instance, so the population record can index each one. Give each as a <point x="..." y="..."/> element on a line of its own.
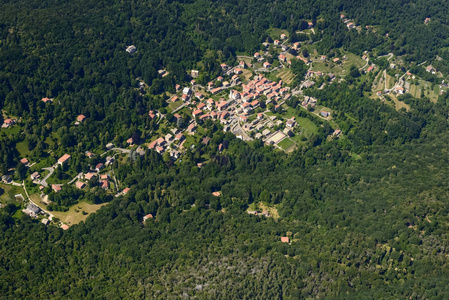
<point x="76" y="177"/>
<point x="238" y="130"/>
<point x="43" y="182"/>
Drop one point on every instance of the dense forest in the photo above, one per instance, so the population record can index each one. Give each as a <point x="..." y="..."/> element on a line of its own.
<point x="370" y="228"/>
<point x="367" y="214"/>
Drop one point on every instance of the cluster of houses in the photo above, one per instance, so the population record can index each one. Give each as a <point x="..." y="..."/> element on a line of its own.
<point x="171" y="142"/>
<point x="348" y="22"/>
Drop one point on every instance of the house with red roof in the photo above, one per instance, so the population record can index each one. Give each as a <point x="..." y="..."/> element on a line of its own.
<point x="64" y="159"/>
<point x="105" y="184"/>
<point x="266" y="65"/>
<point x="125" y="191"/>
<point x="215" y="90"/>
<point x="149" y="216"/>
<point x="56" y="188"/>
<point x="8" y="123"/>
<point x="152" y="145"/>
<point x="80" y="185"/>
<point x="285" y="239"/>
<point x="81" y="118"/>
<point x="256" y="55"/>
<point x="282" y="57"/>
<point x="99" y="167"/>
<point x="90" y="175"/>
<point x="45" y="100"/>
<point x="197" y="112"/>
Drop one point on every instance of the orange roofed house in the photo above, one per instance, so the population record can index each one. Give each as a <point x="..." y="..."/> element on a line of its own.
<point x="149" y="216"/>
<point x="285" y="239"/>
<point x="64" y="159"/>
<point x="81" y="118"/>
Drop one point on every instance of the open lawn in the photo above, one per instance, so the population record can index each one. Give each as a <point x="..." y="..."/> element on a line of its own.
<point x="247" y="73"/>
<point x="308" y="126"/>
<point x="22" y="147"/>
<point x="287" y="144"/>
<point x="14" y="130"/>
<point x="8" y="192"/>
<point x="75" y="214"/>
<point x="174" y="105"/>
<point x="399" y="104"/>
<point x="275" y="33"/>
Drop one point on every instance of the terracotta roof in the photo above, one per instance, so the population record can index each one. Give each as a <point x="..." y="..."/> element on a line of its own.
<point x="285" y="239"/>
<point x="64" y="158"/>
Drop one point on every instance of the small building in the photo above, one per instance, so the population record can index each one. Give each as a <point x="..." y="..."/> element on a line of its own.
<point x="81" y="118"/>
<point x="8" y="123"/>
<point x="64" y="159"/>
<point x="32" y="210"/>
<point x="325" y="114"/>
<point x="45" y="100"/>
<point x="291" y="122"/>
<point x="195" y="73"/>
<point x="35" y="176"/>
<point x="56" y="188"/>
<point x="125" y="191"/>
<point x="131" y="49"/>
<point x="90" y="175"/>
<point x="6" y="178"/>
<point x="105" y="184"/>
<point x="146" y="217"/>
<point x="285" y="239"/>
<point x="80" y="184"/>
<point x="45" y="221"/>
<point x="99" y="167"/>
<point x="216" y="194"/>
<point x="283" y="36"/>
<point x="109" y="146"/>
<point x="24" y="161"/>
<point x="266" y="65"/>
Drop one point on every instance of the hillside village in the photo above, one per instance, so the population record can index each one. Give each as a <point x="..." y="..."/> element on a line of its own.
<point x="249" y="99"/>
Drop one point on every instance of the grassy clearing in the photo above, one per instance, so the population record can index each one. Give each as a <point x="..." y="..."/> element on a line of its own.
<point x="22" y="147"/>
<point x="75" y="214"/>
<point x="174" y="105"/>
<point x="247" y="73"/>
<point x="390" y="81"/>
<point x="399" y="104"/>
<point x="275" y="33"/>
<point x="309" y="127"/>
<point x="260" y="206"/>
<point x="8" y="193"/>
<point x="14" y="130"/>
<point x="286" y="144"/>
